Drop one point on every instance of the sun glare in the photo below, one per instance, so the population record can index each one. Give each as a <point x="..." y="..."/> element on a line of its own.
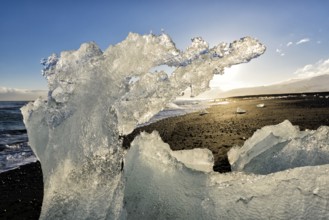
<point x="229" y="80"/>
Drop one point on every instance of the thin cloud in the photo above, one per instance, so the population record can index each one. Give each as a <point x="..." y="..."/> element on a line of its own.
<point x="319" y="68"/>
<point x="302" y="41"/>
<point x="280" y="52"/>
<point x="12" y="94"/>
<point x="289" y="44"/>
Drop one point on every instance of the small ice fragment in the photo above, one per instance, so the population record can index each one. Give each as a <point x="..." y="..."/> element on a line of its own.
<point x="240" y="110"/>
<point x="316" y="191"/>
<point x="203" y="112"/>
<point x="262" y="105"/>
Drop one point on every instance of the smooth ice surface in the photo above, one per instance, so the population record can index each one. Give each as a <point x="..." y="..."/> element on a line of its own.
<point x="158" y="186"/>
<point x="197" y="159"/>
<point x="280" y="147"/>
<point x="95" y="97"/>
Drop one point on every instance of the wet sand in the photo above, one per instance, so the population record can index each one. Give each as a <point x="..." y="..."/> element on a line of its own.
<point x="21" y="190"/>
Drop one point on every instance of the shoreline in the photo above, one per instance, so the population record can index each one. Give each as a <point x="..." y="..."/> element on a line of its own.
<point x="222" y="128"/>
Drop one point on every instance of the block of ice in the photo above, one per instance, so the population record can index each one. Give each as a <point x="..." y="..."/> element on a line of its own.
<point x="94" y="97"/>
<point x="280" y="147"/>
<point x="158" y="186"/>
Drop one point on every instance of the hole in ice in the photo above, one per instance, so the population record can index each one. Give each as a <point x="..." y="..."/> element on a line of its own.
<point x="133" y="79"/>
<point x="165" y="68"/>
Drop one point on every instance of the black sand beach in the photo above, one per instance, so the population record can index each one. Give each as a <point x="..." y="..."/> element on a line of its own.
<point x="21" y="190"/>
<point x="222" y="128"/>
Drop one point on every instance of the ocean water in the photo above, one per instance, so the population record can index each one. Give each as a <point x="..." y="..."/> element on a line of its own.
<point x="14" y="148"/>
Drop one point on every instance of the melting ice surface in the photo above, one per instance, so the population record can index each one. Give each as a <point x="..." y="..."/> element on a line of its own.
<point x="95" y="97"/>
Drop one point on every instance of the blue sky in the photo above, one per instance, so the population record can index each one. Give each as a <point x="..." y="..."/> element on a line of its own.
<point x="33" y="29"/>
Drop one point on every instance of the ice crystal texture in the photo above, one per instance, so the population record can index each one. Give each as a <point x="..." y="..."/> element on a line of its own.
<point x="96" y="96"/>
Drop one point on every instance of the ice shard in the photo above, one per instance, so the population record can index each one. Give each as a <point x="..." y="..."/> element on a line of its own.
<point x="95" y="97"/>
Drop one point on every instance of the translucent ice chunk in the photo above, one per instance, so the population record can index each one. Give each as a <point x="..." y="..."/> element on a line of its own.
<point x="280" y="147"/>
<point x="95" y="97"/>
